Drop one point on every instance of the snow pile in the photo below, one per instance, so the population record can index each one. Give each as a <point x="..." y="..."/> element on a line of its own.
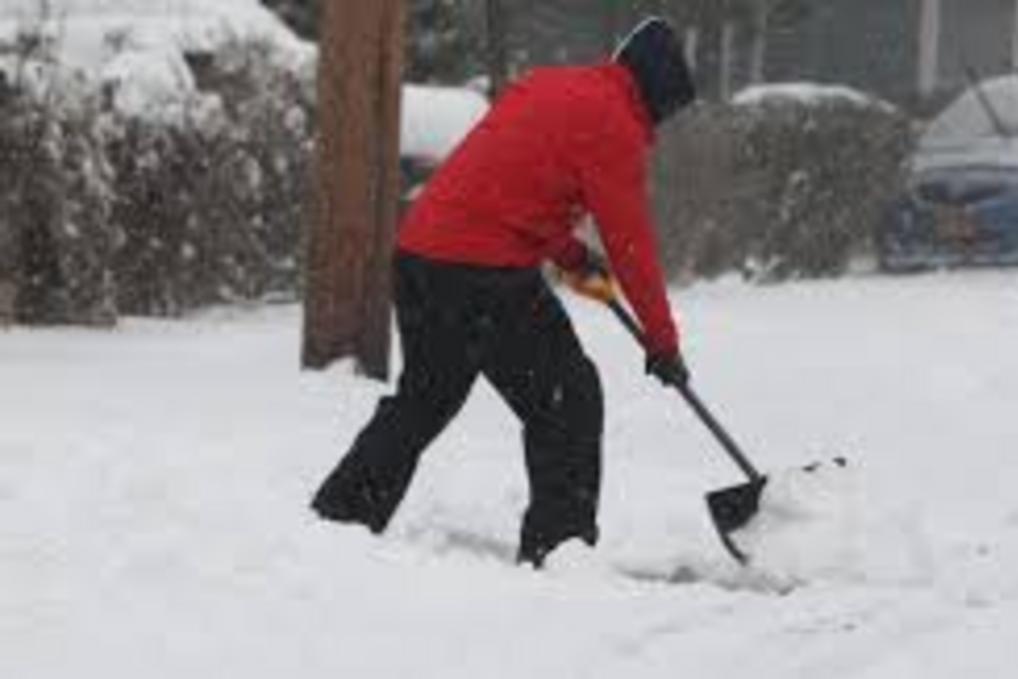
<point x="823" y="523"/>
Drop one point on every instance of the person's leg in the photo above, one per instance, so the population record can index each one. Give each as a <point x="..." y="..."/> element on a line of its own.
<point x="440" y="364"/>
<point x="539" y="367"/>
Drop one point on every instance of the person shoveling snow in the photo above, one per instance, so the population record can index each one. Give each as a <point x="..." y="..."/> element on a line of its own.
<point x="471" y="298"/>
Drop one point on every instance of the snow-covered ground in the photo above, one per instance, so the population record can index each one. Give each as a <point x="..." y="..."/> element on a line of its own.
<point x="154" y="481"/>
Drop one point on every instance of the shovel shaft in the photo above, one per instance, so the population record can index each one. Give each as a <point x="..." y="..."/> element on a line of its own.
<point x="701" y="410"/>
<point x="723" y="437"/>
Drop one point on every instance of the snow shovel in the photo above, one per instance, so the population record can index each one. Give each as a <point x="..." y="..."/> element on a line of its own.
<point x="730" y="508"/>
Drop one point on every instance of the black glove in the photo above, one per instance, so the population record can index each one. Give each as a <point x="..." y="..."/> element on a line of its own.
<point x="670" y="369"/>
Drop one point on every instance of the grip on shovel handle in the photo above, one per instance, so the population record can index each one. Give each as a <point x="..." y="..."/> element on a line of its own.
<point x="599" y="287"/>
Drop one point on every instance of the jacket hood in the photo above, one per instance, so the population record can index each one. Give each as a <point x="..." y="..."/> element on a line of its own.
<point x="655" y="56"/>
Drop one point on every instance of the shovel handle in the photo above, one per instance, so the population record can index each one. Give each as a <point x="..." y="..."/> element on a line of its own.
<point x="701" y="410"/>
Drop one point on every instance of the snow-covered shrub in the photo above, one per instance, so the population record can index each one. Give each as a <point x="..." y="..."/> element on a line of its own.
<point x="56" y="237"/>
<point x="8" y="237"/>
<point x="272" y="105"/>
<point x="8" y="260"/>
<point x="151" y="83"/>
<point x="161" y="268"/>
<point x="786" y="182"/>
<point x="212" y="208"/>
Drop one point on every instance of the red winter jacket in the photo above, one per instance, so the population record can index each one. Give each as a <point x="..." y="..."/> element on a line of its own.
<point x="559" y="143"/>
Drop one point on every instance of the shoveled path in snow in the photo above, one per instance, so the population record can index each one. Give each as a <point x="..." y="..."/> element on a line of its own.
<point x="154" y="479"/>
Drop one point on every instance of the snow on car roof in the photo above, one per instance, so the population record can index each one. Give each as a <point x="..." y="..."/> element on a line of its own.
<point x="967" y="118"/>
<point x="965" y="134"/>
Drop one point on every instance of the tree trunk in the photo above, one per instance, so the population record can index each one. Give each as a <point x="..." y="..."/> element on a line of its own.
<point x="498" y="48"/>
<point x="357" y="185"/>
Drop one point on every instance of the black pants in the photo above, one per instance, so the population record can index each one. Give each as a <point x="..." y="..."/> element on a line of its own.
<point x="457" y="322"/>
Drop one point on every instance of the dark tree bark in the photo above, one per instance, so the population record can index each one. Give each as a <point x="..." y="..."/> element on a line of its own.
<point x="498" y="48"/>
<point x="347" y="304"/>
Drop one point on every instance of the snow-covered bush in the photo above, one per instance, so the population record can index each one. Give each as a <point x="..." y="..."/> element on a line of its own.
<point x="106" y="208"/>
<point x="211" y="209"/>
<point x="56" y="236"/>
<point x="272" y="106"/>
<point x="786" y="182"/>
<point x="8" y="261"/>
<point x="162" y="266"/>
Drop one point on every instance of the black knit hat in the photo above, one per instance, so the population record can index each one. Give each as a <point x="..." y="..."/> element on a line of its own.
<point x="655" y="56"/>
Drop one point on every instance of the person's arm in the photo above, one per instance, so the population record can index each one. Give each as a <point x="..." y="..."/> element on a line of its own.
<point x="570" y="254"/>
<point x="614" y="180"/>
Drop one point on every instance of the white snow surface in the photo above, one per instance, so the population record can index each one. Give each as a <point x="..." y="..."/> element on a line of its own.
<point x="154" y="482"/>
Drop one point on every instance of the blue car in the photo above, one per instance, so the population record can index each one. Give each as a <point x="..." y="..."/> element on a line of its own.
<point x="961" y="206"/>
<point x="963" y="216"/>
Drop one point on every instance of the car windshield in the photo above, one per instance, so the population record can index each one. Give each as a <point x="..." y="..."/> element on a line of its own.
<point x="969" y="119"/>
<point x="965" y="184"/>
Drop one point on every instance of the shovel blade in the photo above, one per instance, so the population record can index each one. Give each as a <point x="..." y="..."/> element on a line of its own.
<point x="732" y="508"/>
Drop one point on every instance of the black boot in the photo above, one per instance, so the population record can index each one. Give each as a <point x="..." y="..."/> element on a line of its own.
<point x="348" y="495"/>
<point x="535" y="548"/>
